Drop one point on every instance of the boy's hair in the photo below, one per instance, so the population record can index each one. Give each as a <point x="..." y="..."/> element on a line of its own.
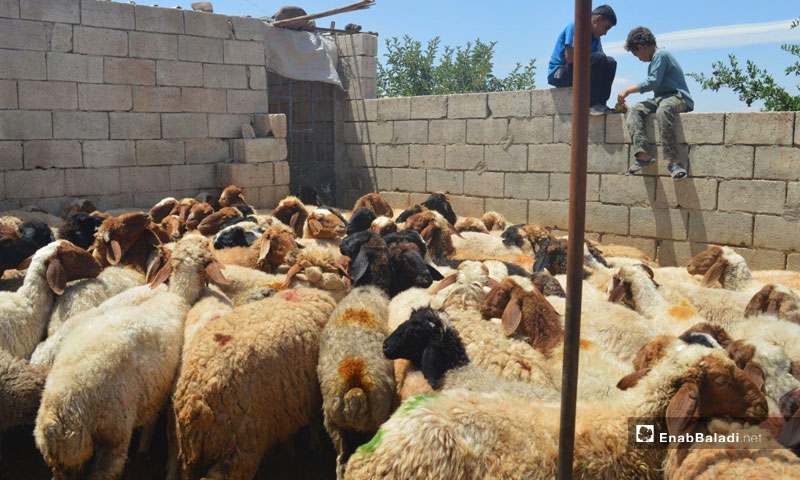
<point x="606" y="12"/>
<point x="639" y="37"/>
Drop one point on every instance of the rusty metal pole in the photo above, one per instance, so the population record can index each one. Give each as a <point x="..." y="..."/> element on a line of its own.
<point x="577" y="218"/>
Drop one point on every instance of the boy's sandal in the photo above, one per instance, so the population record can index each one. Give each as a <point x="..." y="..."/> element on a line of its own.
<point x="676" y="171"/>
<point x="637" y="166"/>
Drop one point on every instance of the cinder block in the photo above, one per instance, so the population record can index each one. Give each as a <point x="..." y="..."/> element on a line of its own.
<point x="393" y="155"/>
<point x="204" y="100"/>
<point x="181" y="74"/>
<point x="226" y="126"/>
<point x="511" y="159"/>
<point x="277" y="124"/>
<point x="199" y="49"/>
<point x="619" y="189"/>
<point x="398" y="108"/>
<point x="248" y="28"/>
<point x="153" y="19"/>
<point x="25" y="125"/>
<point x="362" y="155"/>
<point x="607" y="218"/>
<point x="759" y="128"/>
<point x="467" y="105"/>
<point x="19" y="34"/>
<point x="397" y="200"/>
<point x="549" y="158"/>
<point x="380" y="178"/>
<point x="793" y="262"/>
<point x="648" y="246"/>
<point x="156" y="99"/>
<point x="616" y="129"/>
<point x="489" y="130"/>
<point x="52" y="154"/>
<point x="415" y="198"/>
<point x="793" y="195"/>
<point x="192" y="177"/>
<point x="533" y="186"/>
<point x="408" y="179"/>
<point x="121" y="153"/>
<point x="259" y="150"/>
<point x="224" y="76"/>
<point x="35" y="183"/>
<point x="756" y="196"/>
<point x="59" y="36"/>
<point x="551" y="101"/>
<point x="100" y="41"/>
<point x="672" y="253"/>
<point x="282" y="173"/>
<point x="97" y="181"/>
<point x="725" y="161"/>
<point x="426" y="156"/>
<point x="80" y="125"/>
<point x="360" y="87"/>
<point x="245" y="174"/>
<point x="467" y="206"/>
<point x="691" y="193"/>
<point x="9" y="8"/>
<point x="135" y="125"/>
<point x="780" y="163"/>
<point x="758" y="259"/>
<point x="358" y="44"/>
<point x="531" y="130"/>
<point x="74" y="68"/>
<point x="144" y="179"/>
<point x="363" y="110"/>
<point x="358" y="67"/>
<point x="206" y="150"/>
<point x="23" y="65"/>
<point x="719" y="227"/>
<point x="659" y="223"/>
<point x="562" y="129"/>
<point x="129" y="71"/>
<point x="559" y="187"/>
<point x="428" y="107"/>
<point x="159" y="152"/>
<point x="205" y="24"/>
<point x="447" y="131"/>
<point x="483" y="184"/>
<point x="104" y="97"/>
<point x="445" y="181"/>
<point x="607" y="158"/>
<point x="107" y="14"/>
<point x="515" y="211"/>
<point x="184" y="125"/>
<point x="700" y="128"/>
<point x="244" y="53"/>
<point x="464" y="157"/>
<point x="10" y="155"/>
<point x="48" y="95"/>
<point x="61" y="11"/>
<point x="776" y="232"/>
<point x="372" y="132"/>
<point x="410" y="131"/>
<point x="258" y="77"/>
<point x="153" y="45"/>
<point x="247" y="101"/>
<point x="510" y="104"/>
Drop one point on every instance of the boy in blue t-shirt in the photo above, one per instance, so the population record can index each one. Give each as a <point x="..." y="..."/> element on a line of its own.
<point x="665" y="78"/>
<point x="603" y="68"/>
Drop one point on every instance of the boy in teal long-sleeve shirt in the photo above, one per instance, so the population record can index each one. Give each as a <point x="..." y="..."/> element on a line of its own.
<point x="665" y="78"/>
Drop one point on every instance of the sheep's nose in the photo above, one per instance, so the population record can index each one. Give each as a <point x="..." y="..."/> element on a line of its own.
<point x="423" y="281"/>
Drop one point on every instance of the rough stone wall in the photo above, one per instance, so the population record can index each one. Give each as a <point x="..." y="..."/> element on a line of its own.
<point x="123" y="103"/>
<point x="510" y="152"/>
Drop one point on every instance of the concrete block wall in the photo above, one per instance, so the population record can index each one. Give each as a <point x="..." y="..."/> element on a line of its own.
<point x="510" y="152"/>
<point x="122" y="103"/>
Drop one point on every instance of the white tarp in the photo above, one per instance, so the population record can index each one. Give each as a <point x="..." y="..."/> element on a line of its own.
<point x="301" y="55"/>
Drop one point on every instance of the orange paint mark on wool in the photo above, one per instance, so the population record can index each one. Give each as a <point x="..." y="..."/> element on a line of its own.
<point x="355" y="315"/>
<point x="352" y="371"/>
<point x="222" y="339"/>
<point x="683" y="311"/>
<point x="524" y="365"/>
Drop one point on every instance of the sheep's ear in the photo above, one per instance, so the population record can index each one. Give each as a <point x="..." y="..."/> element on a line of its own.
<point x="632" y="379"/>
<point x="114" y="254"/>
<point x="314" y="226"/>
<point x="214" y="273"/>
<point x="790" y="434"/>
<point x="446" y="282"/>
<point x="433" y="365"/>
<point x="266" y="245"/>
<point x="512" y="316"/>
<point x="435" y="274"/>
<point x="162" y="275"/>
<point x="155" y="267"/>
<point x="758" y="304"/>
<point x="293" y="221"/>
<point x="454" y="231"/>
<point x="359" y="267"/>
<point x="25" y="263"/>
<point x="714" y="273"/>
<point x="492" y="283"/>
<point x="618" y="292"/>
<point x="648" y="270"/>
<point x="427" y="233"/>
<point x="755" y="373"/>
<point x="542" y="261"/>
<point x="794" y="369"/>
<point x="56" y="276"/>
<point x="684" y="409"/>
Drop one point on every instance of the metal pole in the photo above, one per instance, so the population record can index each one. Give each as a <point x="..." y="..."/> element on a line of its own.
<point x="577" y="217"/>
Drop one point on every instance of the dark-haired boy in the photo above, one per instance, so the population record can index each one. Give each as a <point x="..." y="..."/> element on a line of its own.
<point x="665" y="78"/>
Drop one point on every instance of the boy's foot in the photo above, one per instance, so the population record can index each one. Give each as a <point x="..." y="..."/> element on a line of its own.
<point x="598" y="109"/>
<point x="638" y="165"/>
<point x="676" y="171"/>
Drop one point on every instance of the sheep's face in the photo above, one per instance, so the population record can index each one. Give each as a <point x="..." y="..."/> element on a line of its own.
<point x="622" y="284"/>
<point x="232" y="195"/>
<point x="360" y="220"/>
<point x="324" y="224"/>
<point x="174" y="227"/>
<point x="704" y="260"/>
<point x="514" y="236"/>
<point x="493" y="221"/>
<point x="375" y="203"/>
<point x="214" y="222"/>
<point x="775" y="300"/>
<point x="406" y="262"/>
<point x="410" y="339"/>
<point x="548" y="285"/>
<point x="117" y="235"/>
<point x="551" y="255"/>
<point x="197" y="214"/>
<point x="497" y="299"/>
<point x="162" y="209"/>
<point x="715" y="331"/>
<point x="790" y="403"/>
<point x="383" y="226"/>
<point x="471" y="224"/>
<point x="183" y="208"/>
<point x="439" y="202"/>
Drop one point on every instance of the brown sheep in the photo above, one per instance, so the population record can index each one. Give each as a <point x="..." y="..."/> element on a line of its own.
<point x="376" y="203"/>
<point x="471" y="224"/>
<point x="293" y="213"/>
<point x="494" y="221"/>
<point x="214" y="222"/>
<point x="775" y="300"/>
<point x="162" y="209"/>
<point x="232" y="195"/>
<point x="197" y="213"/>
<point x="265" y="254"/>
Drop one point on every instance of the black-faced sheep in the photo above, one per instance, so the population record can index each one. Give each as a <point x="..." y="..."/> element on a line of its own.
<point x="360" y="221"/>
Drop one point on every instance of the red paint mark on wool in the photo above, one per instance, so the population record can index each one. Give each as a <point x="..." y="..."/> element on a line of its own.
<point x="222" y="339"/>
<point x="524" y="365"/>
<point x="290" y="295"/>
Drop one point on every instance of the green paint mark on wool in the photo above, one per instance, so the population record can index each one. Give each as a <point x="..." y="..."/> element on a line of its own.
<point x="416" y="401"/>
<point x="369" y="447"/>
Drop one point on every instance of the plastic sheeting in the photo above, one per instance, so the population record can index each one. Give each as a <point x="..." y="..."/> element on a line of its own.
<point x="301" y="55"/>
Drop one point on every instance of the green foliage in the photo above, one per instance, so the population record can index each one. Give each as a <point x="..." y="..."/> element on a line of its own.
<point x="411" y="69"/>
<point x="753" y="83"/>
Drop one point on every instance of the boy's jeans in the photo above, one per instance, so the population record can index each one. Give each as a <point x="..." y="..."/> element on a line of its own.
<point x="666" y="108"/>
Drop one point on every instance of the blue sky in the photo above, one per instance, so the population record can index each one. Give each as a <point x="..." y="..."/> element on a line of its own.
<point x="694" y="30"/>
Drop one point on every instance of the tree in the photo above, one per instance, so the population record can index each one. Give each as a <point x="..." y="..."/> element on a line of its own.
<point x="412" y="70"/>
<point x="754" y="83"/>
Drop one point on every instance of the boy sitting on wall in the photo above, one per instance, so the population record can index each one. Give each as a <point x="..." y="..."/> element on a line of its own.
<point x="665" y="78"/>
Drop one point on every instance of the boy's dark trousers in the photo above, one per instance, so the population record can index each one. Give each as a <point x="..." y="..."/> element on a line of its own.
<point x="602" y="71"/>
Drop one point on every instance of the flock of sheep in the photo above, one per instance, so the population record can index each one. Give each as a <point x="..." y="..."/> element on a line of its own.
<point x="427" y="345"/>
